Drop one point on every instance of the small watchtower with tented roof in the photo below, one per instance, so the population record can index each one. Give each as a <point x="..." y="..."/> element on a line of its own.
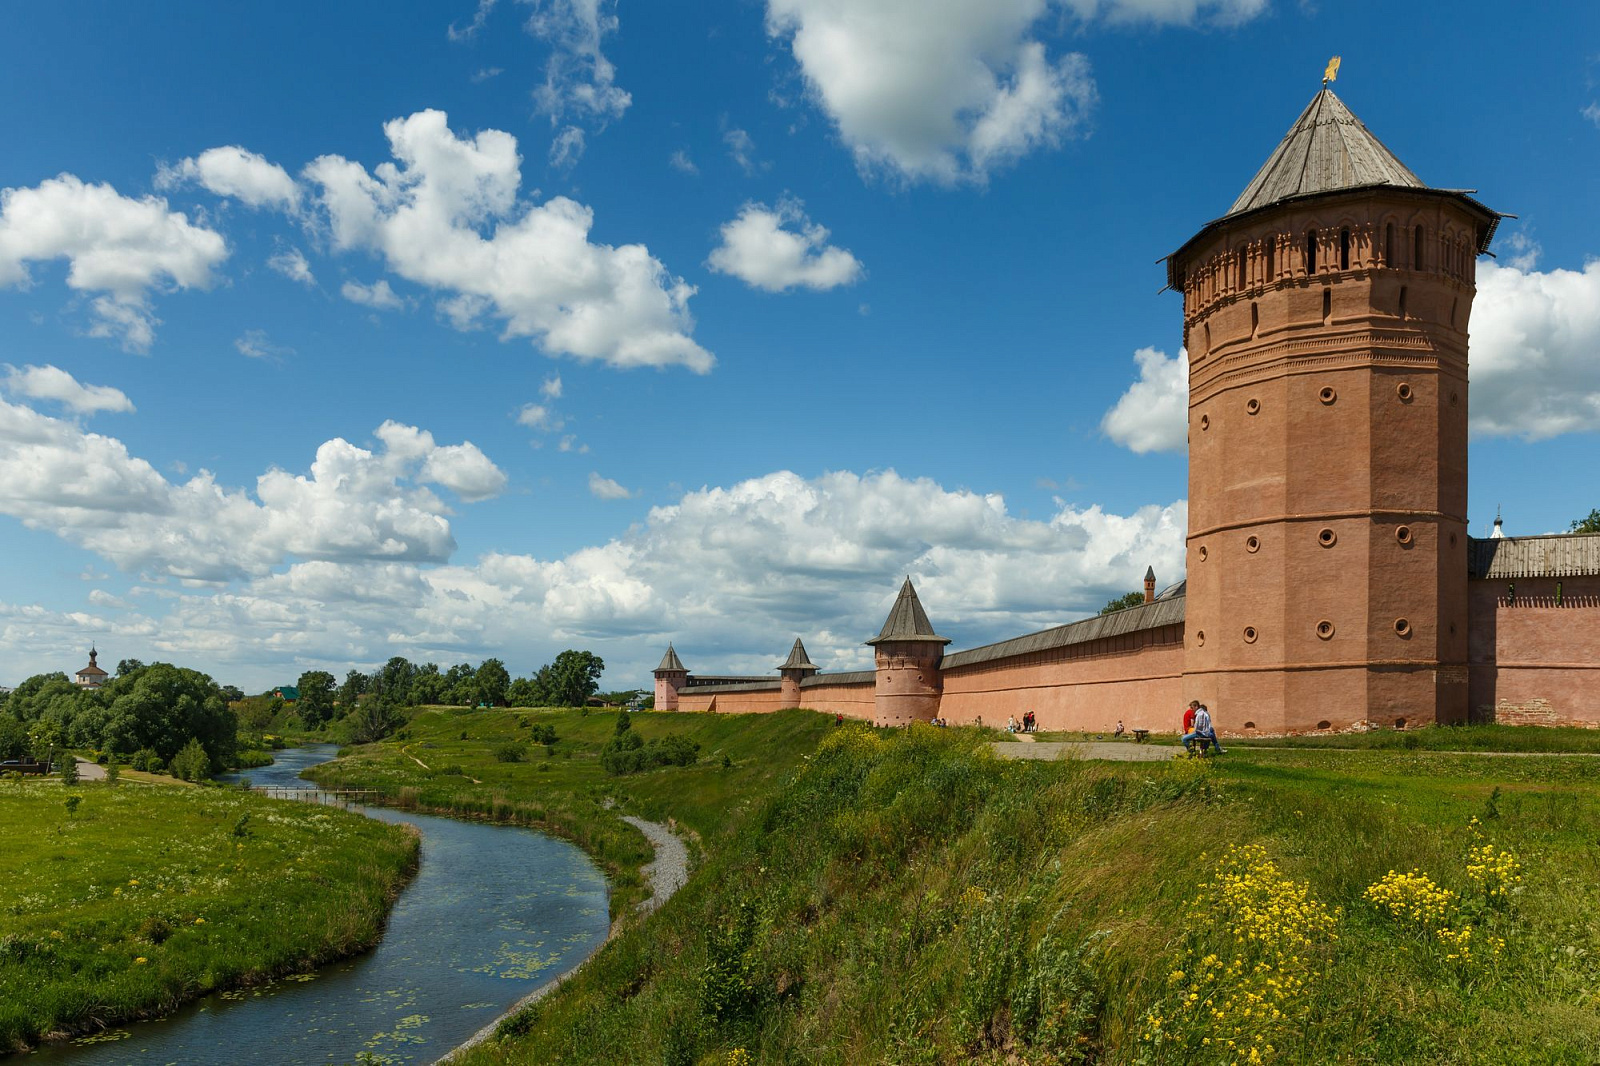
<point x="671" y="676"/>
<point x="907" y="653"/>
<point x="794" y="670"/>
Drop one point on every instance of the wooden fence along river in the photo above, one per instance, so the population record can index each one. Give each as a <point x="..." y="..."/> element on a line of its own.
<point x="312" y="794"/>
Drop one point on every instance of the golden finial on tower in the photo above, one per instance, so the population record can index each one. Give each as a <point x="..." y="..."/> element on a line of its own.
<point x="1332" y="73"/>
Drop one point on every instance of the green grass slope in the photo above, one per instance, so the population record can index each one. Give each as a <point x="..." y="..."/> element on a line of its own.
<point x="911" y="898"/>
<point x="143" y="897"/>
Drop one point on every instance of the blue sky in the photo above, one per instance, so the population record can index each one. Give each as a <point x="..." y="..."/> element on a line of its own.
<point x="702" y="322"/>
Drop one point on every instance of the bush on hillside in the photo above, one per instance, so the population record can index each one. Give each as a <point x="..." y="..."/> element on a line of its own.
<point x="192" y="763"/>
<point x="513" y="752"/>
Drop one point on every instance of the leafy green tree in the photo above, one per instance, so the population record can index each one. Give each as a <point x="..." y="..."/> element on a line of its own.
<point x="459" y="690"/>
<point x="493" y="682"/>
<point x="129" y="666"/>
<point x="375" y="719"/>
<point x="1122" y="603"/>
<point x="1590" y="524"/>
<point x="113" y="770"/>
<point x="394" y="679"/>
<point x="232" y="693"/>
<point x="526" y="692"/>
<point x="572" y="678"/>
<point x="29" y="698"/>
<point x="69" y="768"/>
<point x="427" y="685"/>
<point x="354" y="687"/>
<point x="191" y="763"/>
<point x="13" y="738"/>
<point x="316" y="698"/>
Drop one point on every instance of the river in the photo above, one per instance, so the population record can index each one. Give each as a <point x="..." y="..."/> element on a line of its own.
<point x="493" y="913"/>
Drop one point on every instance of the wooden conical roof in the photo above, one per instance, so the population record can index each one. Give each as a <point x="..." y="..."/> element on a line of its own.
<point x="907" y="620"/>
<point x="798" y="659"/>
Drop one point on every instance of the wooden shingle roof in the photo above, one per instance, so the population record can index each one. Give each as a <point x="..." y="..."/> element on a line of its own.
<point x="907" y="620"/>
<point x="1163" y="612"/>
<point x="798" y="659"/>
<point x="1556" y="555"/>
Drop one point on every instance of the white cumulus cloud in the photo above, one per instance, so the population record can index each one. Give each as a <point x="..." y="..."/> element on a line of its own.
<point x="1170" y="12"/>
<point x="233" y="172"/>
<point x="945" y="90"/>
<point x="53" y="383"/>
<point x="446" y="215"/>
<point x="1535" y="351"/>
<point x="1153" y="415"/>
<point x="116" y="247"/>
<point x="354" y="504"/>
<point x="778" y="248"/>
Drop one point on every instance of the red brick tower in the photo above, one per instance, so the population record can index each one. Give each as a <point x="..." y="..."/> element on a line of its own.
<point x="1325" y="318"/>
<point x="794" y="670"/>
<point x="671" y="675"/>
<point x="907" y="655"/>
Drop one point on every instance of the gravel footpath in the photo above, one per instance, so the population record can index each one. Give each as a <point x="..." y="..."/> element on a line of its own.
<point x="666" y="875"/>
<point x="1116" y="752"/>
<point x="671" y="867"/>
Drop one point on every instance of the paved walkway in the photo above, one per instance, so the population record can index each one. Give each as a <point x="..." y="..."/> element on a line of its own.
<point x="90" y="771"/>
<point x="1085" y="749"/>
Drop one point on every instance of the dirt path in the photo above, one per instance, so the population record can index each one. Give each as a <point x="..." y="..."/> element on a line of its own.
<point x="666" y="875"/>
<point x="1079" y="749"/>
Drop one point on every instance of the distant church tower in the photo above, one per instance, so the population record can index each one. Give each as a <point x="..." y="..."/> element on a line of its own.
<point x="1325" y="317"/>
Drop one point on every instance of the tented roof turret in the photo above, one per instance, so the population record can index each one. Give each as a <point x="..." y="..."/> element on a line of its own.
<point x="670" y="661"/>
<point x="907" y="620"/>
<point x="798" y="659"/>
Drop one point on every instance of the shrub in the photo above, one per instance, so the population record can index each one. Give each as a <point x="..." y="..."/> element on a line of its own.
<point x="192" y="763"/>
<point x="69" y="769"/>
<point x="542" y="734"/>
<point x="113" y="770"/>
<point x="146" y="760"/>
<point x="512" y="752"/>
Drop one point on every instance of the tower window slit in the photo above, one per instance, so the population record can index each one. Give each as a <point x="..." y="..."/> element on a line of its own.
<point x="1311" y="251"/>
<point x="1344" y="249"/>
<point x="1417" y="250"/>
<point x="1244" y="261"/>
<point x="1272" y="258"/>
<point x="1388" y="245"/>
<point x="1327" y="305"/>
<point x="1402" y="301"/>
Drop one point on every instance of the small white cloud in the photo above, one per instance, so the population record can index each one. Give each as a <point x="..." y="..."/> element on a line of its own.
<point x="465" y="470"/>
<point x="292" y="264"/>
<point x="1592" y="113"/>
<point x="378" y="295"/>
<point x="603" y="488"/>
<point x="53" y="383"/>
<point x="569" y="443"/>
<point x="237" y="173"/>
<point x="1170" y="12"/>
<point x="1525" y="251"/>
<point x="254" y="344"/>
<point x="742" y="150"/>
<point x="1153" y="415"/>
<point x="470" y="30"/>
<point x="680" y="161"/>
<point x="540" y="417"/>
<point x="567" y="148"/>
<point x="551" y="389"/>
<point x="483" y="74"/>
<point x="102" y="598"/>
<point x="759" y="250"/>
<point x="578" y="76"/>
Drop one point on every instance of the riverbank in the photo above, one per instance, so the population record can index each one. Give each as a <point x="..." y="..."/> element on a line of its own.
<point x="453" y="762"/>
<point x="908" y="896"/>
<point x="138" y="898"/>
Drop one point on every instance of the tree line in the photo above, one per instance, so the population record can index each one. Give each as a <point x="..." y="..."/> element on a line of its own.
<point x="144" y="715"/>
<point x="569" y="681"/>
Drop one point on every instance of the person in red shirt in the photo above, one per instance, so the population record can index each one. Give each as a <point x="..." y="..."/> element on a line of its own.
<point x="1188" y="718"/>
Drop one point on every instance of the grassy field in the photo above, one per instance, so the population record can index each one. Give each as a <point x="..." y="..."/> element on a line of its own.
<point x="142" y="897"/>
<point x="445" y="762"/>
<point x="909" y="897"/>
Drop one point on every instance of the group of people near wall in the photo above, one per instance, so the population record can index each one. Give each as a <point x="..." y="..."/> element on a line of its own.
<point x="1029" y="723"/>
<point x="1197" y="726"/>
